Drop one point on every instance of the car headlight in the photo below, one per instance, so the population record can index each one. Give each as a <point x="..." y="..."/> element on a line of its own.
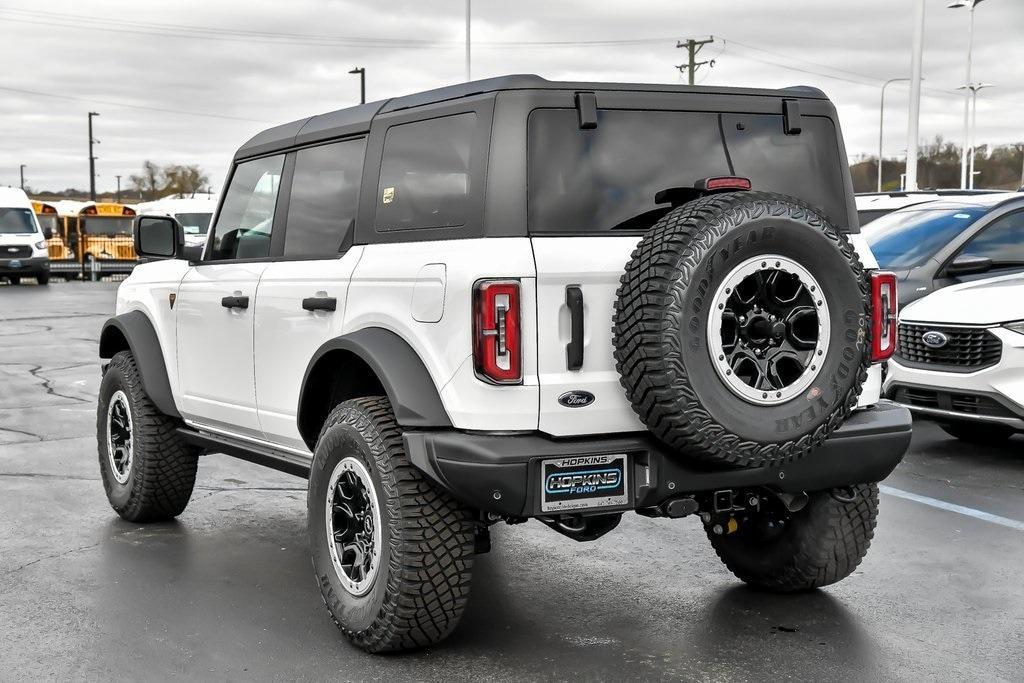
<point x="1017" y="326"/>
<point x="41" y="245"/>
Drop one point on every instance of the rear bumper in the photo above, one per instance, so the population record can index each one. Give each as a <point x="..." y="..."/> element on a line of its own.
<point x="28" y="266"/>
<point x="502" y="473"/>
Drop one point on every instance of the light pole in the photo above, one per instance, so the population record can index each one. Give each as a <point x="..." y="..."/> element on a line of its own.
<point x="362" y="83"/>
<point x="881" y="122"/>
<point x="913" y="119"/>
<point x="973" y="88"/>
<point x="970" y="5"/>
<point x="21" y="171"/>
<point x="92" y="160"/>
<point x="468" y="69"/>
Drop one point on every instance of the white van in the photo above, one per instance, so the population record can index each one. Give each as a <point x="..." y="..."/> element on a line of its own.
<point x="22" y="243"/>
<point x="193" y="213"/>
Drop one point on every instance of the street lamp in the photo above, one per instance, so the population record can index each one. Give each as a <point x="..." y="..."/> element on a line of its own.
<point x="362" y="83"/>
<point x="973" y="88"/>
<point x="914" y="110"/>
<point x="970" y="5"/>
<point x="881" y="122"/>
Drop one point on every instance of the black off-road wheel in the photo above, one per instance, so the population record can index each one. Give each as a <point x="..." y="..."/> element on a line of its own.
<point x="819" y="545"/>
<point x="739" y="329"/>
<point x="982" y="434"/>
<point x="148" y="471"/>
<point x="393" y="554"/>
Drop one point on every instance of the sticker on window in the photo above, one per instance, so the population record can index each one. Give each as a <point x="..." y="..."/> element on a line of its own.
<point x="388" y="196"/>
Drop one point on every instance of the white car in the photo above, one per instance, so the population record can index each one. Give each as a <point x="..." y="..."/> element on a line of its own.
<point x="193" y="213"/>
<point x="23" y="250"/>
<point x="960" y="359"/>
<point x="516" y="299"/>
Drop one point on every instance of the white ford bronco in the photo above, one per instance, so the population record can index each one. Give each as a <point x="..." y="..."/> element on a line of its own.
<point x="514" y="299"/>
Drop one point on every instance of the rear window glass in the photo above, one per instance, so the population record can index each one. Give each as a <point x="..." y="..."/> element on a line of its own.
<point x="597" y="180"/>
<point x="424" y="174"/>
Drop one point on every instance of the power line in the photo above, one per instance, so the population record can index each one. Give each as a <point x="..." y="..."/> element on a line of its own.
<point x="112" y="103"/>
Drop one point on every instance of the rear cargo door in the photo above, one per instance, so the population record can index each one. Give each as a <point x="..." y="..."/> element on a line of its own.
<point x="579" y="387"/>
<point x="592" y="181"/>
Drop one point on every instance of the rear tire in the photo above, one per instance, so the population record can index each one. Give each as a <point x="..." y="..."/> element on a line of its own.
<point x="819" y="545"/>
<point x="148" y="471"/>
<point x="982" y="434"/>
<point x="404" y="583"/>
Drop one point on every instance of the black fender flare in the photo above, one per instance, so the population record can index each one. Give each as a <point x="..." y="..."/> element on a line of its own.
<point x="134" y="332"/>
<point x="414" y="396"/>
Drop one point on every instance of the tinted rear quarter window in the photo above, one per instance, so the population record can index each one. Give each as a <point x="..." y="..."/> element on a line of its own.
<point x="425" y="179"/>
<point x="324" y="196"/>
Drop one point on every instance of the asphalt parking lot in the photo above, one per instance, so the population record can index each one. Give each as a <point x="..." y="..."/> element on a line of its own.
<point x="227" y="591"/>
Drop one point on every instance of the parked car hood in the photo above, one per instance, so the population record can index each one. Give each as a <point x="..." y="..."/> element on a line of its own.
<point x="982" y="302"/>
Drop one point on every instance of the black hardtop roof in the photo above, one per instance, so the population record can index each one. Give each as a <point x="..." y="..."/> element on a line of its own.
<point x="355" y="120"/>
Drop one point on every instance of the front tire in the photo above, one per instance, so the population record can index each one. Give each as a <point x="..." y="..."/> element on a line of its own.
<point x="14" y="279"/>
<point x="982" y="434"/>
<point x="393" y="554"/>
<point x="818" y="545"/>
<point x="148" y="471"/>
<point x="43" y="279"/>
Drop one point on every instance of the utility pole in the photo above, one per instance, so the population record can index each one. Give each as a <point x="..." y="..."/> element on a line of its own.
<point x="118" y="188"/>
<point x="22" y="172"/>
<point x="92" y="160"/>
<point x="970" y="5"/>
<point x="913" y="122"/>
<point x="469" y="71"/>
<point x="362" y="83"/>
<point x="692" y="48"/>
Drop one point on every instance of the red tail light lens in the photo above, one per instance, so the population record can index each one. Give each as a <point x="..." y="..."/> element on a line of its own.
<point x="884" y="311"/>
<point x="497" y="351"/>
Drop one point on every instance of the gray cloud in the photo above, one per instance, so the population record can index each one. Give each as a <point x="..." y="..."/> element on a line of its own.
<point x="845" y="48"/>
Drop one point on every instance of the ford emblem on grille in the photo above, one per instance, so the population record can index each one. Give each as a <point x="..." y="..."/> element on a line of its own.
<point x="576" y="399"/>
<point x="934" y="339"/>
<point x="12" y="250"/>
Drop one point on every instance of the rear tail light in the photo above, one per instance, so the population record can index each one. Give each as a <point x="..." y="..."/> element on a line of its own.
<point x="884" y="310"/>
<point x="497" y="351"/>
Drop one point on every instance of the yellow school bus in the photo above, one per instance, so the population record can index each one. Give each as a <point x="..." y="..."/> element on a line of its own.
<point x="53" y="227"/>
<point x="105" y="243"/>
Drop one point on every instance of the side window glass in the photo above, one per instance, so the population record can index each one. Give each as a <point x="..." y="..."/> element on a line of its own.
<point x="1003" y="241"/>
<point x="324" y="194"/>
<point x="246" y="218"/>
<point x="424" y="174"/>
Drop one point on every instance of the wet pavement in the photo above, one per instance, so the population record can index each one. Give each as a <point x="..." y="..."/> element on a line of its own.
<point x="227" y="591"/>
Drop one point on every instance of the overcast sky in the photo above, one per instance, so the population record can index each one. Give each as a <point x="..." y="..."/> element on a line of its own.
<point x="248" y="65"/>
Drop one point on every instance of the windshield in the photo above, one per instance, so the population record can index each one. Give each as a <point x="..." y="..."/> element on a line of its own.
<point x="91" y="225"/>
<point x="907" y="238"/>
<point x="48" y="221"/>
<point x="16" y="221"/>
<point x="595" y="180"/>
<point x="194" y="223"/>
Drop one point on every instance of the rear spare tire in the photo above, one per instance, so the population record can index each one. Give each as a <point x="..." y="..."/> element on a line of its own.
<point x="739" y="328"/>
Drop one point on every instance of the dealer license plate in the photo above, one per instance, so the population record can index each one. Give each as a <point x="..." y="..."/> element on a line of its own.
<point x="579" y="482"/>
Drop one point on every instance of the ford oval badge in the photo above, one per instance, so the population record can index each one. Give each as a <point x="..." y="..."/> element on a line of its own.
<point x="576" y="399"/>
<point x="934" y="339"/>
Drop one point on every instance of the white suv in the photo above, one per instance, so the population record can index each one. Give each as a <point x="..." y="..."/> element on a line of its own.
<point x="517" y="299"/>
<point x="960" y="359"/>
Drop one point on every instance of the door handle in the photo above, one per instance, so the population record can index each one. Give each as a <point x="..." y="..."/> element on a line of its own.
<point x="320" y="303"/>
<point x="574" y="349"/>
<point x="235" y="302"/>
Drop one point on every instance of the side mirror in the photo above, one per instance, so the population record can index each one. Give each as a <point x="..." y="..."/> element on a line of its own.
<point x="158" y="237"/>
<point x="48" y="233"/>
<point x="969" y="265"/>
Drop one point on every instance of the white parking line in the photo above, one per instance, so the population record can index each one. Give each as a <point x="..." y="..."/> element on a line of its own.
<point x="953" y="507"/>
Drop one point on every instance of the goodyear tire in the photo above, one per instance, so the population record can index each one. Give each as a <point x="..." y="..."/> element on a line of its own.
<point x="148" y="471"/>
<point x="818" y="545"/>
<point x="739" y="329"/>
<point x="393" y="554"/>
